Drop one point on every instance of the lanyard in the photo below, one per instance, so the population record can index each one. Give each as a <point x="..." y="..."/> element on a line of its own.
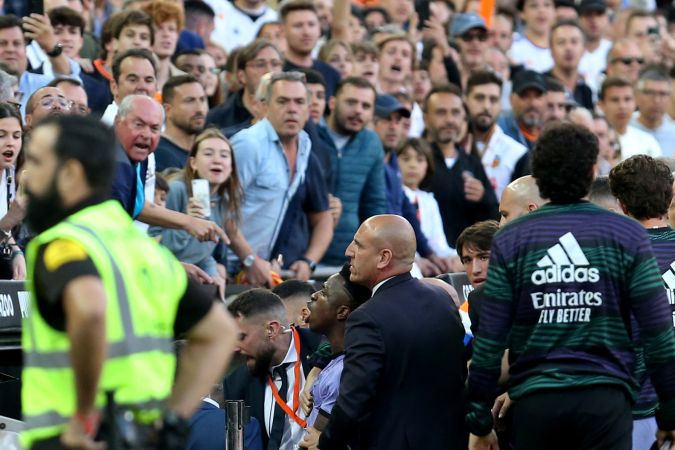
<point x="296" y="387"/>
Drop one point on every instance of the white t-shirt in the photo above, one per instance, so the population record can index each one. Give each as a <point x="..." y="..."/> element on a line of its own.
<point x="500" y="158"/>
<point x="430" y="221"/>
<point x="664" y="135"/>
<point x="525" y="52"/>
<point x="637" y="142"/>
<point x="233" y="27"/>
<point x="593" y="63"/>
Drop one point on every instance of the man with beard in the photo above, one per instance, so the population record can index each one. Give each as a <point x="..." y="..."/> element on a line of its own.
<point x="503" y="158"/>
<point x="45" y="102"/>
<point x="107" y="302"/>
<point x="357" y="161"/>
<point x="459" y="182"/>
<point x="567" y="48"/>
<point x="525" y="120"/>
<point x="185" y="105"/>
<point x="272" y="378"/>
<point x="329" y="310"/>
<point x="389" y="126"/>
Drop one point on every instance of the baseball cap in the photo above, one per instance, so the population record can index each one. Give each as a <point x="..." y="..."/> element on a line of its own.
<point x="528" y="79"/>
<point x="385" y="105"/>
<point x="462" y="23"/>
<point x="592" y="5"/>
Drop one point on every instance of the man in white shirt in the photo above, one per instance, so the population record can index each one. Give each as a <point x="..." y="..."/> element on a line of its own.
<point x="500" y="154"/>
<point x="277" y="362"/>
<point x="237" y="22"/>
<point x="617" y="101"/>
<point x="652" y="96"/>
<point x="594" y="20"/>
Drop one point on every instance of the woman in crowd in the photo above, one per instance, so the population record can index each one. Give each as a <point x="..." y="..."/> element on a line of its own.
<point x="12" y="262"/>
<point x="339" y="55"/>
<point x="211" y="158"/>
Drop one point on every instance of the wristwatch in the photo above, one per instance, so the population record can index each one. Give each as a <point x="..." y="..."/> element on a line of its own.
<point x="312" y="264"/>
<point x="249" y="260"/>
<point x="56" y="51"/>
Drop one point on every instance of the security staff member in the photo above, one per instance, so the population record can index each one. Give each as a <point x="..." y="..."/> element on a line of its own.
<point x="106" y="304"/>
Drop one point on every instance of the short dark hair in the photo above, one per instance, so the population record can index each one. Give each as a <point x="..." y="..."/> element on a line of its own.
<point x="566" y="23"/>
<point x="554" y="85"/>
<point x="508" y="13"/>
<point x="296" y="5"/>
<point x="249" y="53"/>
<point x="169" y="88"/>
<point x="142" y="53"/>
<point x="366" y="47"/>
<point x="10" y="21"/>
<point x="611" y="82"/>
<point x="563" y="160"/>
<point x="258" y="301"/>
<point x="442" y="89"/>
<point x="291" y="288"/>
<point x="77" y="136"/>
<point x="313" y="76"/>
<point x="377" y="9"/>
<point x="358" y="294"/>
<point x="643" y="185"/>
<point x="67" y="17"/>
<point x="481" y="77"/>
<point x="479" y="235"/>
<point x="600" y="190"/>
<point x="198" y="7"/>
<point x="358" y="82"/>
<point x="133" y="17"/>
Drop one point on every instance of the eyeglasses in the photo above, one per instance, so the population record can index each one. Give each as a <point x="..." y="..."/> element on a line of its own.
<point x="48" y="102"/>
<point x="628" y="60"/>
<point x="263" y="64"/>
<point x="468" y="37"/>
<point x="215" y="70"/>
<point x="657" y="94"/>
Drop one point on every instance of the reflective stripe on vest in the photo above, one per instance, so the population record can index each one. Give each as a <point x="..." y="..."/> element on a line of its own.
<point x="129" y="345"/>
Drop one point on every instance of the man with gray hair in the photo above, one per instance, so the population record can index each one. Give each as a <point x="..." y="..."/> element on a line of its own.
<point x="652" y="97"/>
<point x="274" y="162"/>
<point x="7" y="83"/>
<point x="137" y="127"/>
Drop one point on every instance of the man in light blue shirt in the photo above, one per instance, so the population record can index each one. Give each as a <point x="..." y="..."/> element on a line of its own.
<point x="652" y="96"/>
<point x="271" y="158"/>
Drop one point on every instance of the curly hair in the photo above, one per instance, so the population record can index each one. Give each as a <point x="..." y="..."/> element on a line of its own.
<point x="563" y="160"/>
<point x="643" y="185"/>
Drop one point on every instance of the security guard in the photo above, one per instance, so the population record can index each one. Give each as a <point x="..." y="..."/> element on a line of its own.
<point x="106" y="304"/>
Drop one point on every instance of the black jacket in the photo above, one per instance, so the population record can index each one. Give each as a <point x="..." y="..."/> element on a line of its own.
<point x="403" y="377"/>
<point x="447" y="185"/>
<point x="241" y="385"/>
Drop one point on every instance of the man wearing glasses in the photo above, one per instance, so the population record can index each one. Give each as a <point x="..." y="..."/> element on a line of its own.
<point x="625" y="60"/>
<point x="46" y="101"/>
<point x="255" y="60"/>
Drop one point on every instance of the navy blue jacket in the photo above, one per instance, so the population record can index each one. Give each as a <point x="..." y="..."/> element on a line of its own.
<point x="207" y="430"/>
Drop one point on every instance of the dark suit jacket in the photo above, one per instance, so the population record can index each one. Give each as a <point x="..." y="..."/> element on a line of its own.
<point x="241" y="385"/>
<point x="403" y="377"/>
<point x="207" y="430"/>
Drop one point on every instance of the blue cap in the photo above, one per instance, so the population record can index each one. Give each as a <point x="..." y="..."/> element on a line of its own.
<point x="385" y="105"/>
<point x="461" y="23"/>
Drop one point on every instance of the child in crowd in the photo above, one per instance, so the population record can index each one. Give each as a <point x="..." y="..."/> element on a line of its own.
<point x="531" y="48"/>
<point x="417" y="166"/>
<point x="161" y="191"/>
<point x="211" y="158"/>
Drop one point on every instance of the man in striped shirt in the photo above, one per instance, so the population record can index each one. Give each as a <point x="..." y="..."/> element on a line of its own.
<point x="562" y="286"/>
<point x="644" y="188"/>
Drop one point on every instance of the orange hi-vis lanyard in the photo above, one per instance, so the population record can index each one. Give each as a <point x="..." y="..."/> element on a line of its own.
<point x="292" y="413"/>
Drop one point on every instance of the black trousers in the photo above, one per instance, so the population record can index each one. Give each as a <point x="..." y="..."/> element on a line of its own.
<point x="590" y="418"/>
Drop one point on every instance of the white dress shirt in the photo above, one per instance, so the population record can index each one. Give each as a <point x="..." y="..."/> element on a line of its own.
<point x="293" y="433"/>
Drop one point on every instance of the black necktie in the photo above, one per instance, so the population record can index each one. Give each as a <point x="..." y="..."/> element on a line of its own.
<point x="279" y="420"/>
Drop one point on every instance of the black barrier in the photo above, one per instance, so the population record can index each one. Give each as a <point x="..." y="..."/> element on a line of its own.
<point x="460" y="282"/>
<point x="14" y="306"/>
